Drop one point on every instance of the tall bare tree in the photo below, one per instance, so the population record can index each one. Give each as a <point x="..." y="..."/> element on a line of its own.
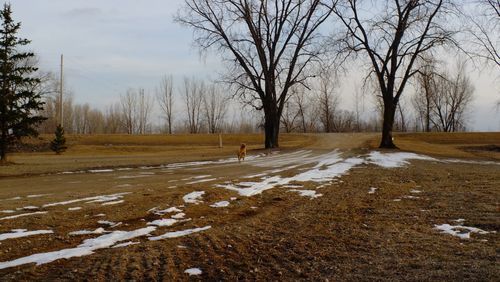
<point x="451" y="100"/>
<point x="289" y="116"/>
<point x="129" y="111"/>
<point x="144" y="108"/>
<point x="328" y="100"/>
<point x="426" y="86"/>
<point x="215" y="105"/>
<point x="484" y="16"/>
<point x="165" y="97"/>
<point x="113" y="119"/>
<point x="268" y="44"/>
<point x="193" y="99"/>
<point x="393" y="34"/>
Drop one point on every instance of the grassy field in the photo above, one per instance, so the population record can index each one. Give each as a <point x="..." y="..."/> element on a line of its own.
<point x="368" y="223"/>
<point x="102" y="151"/>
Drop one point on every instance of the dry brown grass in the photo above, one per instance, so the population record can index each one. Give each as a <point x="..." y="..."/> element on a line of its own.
<point x="446" y="144"/>
<point x="101" y="151"/>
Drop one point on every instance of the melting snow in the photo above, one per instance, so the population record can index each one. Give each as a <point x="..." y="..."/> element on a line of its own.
<point x="220" y="204"/>
<point x="193" y="271"/>
<point x="88" y="247"/>
<point x="372" y="190"/>
<point x="178" y="215"/>
<point x="163" y="222"/>
<point x="393" y="160"/>
<point x="99" y="170"/>
<point x="37" y="195"/>
<point x="8" y="211"/>
<point x="181" y="233"/>
<point x="326" y="169"/>
<point x="458" y="230"/>
<point x="162" y="212"/>
<point x="201" y="181"/>
<point x="22" y="215"/>
<point x="112" y="203"/>
<point x="193" y="197"/>
<point x="99" y="230"/>
<point x="307" y="193"/>
<point x="17" y="233"/>
<point x="74" y="208"/>
<point x="415" y="191"/>
<point x="126" y="244"/>
<point x="109" y="223"/>
<point x="87" y="199"/>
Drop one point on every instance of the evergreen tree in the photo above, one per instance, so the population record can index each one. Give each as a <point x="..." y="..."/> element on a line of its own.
<point x="19" y="104"/>
<point x="58" y="145"/>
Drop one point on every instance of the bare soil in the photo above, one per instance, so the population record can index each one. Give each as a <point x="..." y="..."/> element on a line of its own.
<point x="347" y="234"/>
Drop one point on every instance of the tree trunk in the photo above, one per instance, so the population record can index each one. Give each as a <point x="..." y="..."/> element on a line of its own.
<point x="389" y="112"/>
<point x="3" y="149"/>
<point x="271" y="127"/>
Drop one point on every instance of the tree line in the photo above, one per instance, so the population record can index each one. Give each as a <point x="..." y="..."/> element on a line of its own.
<point x="440" y="102"/>
<point x="282" y="58"/>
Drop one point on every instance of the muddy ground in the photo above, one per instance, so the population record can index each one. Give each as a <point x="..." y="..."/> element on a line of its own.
<point x="345" y="234"/>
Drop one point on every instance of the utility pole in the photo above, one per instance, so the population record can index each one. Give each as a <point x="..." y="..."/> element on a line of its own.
<point x="61" y="94"/>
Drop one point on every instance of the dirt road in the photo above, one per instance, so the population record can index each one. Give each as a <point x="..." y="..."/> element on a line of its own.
<point x="329" y="211"/>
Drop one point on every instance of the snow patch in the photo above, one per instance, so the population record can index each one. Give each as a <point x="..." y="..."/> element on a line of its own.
<point x="22" y="215"/>
<point x="74" y="208"/>
<point x="100" y="170"/>
<point x="37" y="195"/>
<point x="193" y="271"/>
<point x="112" y="203"/>
<point x="163" y="222"/>
<point x="18" y="233"/>
<point x="8" y="211"/>
<point x="201" y="181"/>
<point x="393" y="160"/>
<point x="162" y="212"/>
<point x="221" y="204"/>
<point x="125" y="244"/>
<point x="372" y="190"/>
<point x="327" y="168"/>
<point x="307" y="193"/>
<point x="86" y="248"/>
<point x="178" y="215"/>
<point x="111" y="224"/>
<point x="180" y="233"/>
<point x="99" y="230"/>
<point x="460" y="231"/>
<point x="193" y="197"/>
<point x="99" y="198"/>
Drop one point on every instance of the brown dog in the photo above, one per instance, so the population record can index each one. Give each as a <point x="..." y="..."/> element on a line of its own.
<point x="242" y="152"/>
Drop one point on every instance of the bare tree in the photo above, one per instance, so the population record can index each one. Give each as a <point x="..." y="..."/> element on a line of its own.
<point x="193" y="98"/>
<point x="328" y="100"/>
<point x="113" y="119"/>
<point x="393" y="34"/>
<point x="299" y="99"/>
<point x="451" y="100"/>
<point x="484" y="30"/>
<point x="269" y="44"/>
<point x="215" y="105"/>
<point x="95" y="122"/>
<point x="426" y="85"/>
<point x="129" y="111"/>
<point x="165" y="97"/>
<point x="144" y="107"/>
<point x="289" y="116"/>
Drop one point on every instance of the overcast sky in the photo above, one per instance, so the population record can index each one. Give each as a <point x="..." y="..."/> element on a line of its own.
<point x="113" y="45"/>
